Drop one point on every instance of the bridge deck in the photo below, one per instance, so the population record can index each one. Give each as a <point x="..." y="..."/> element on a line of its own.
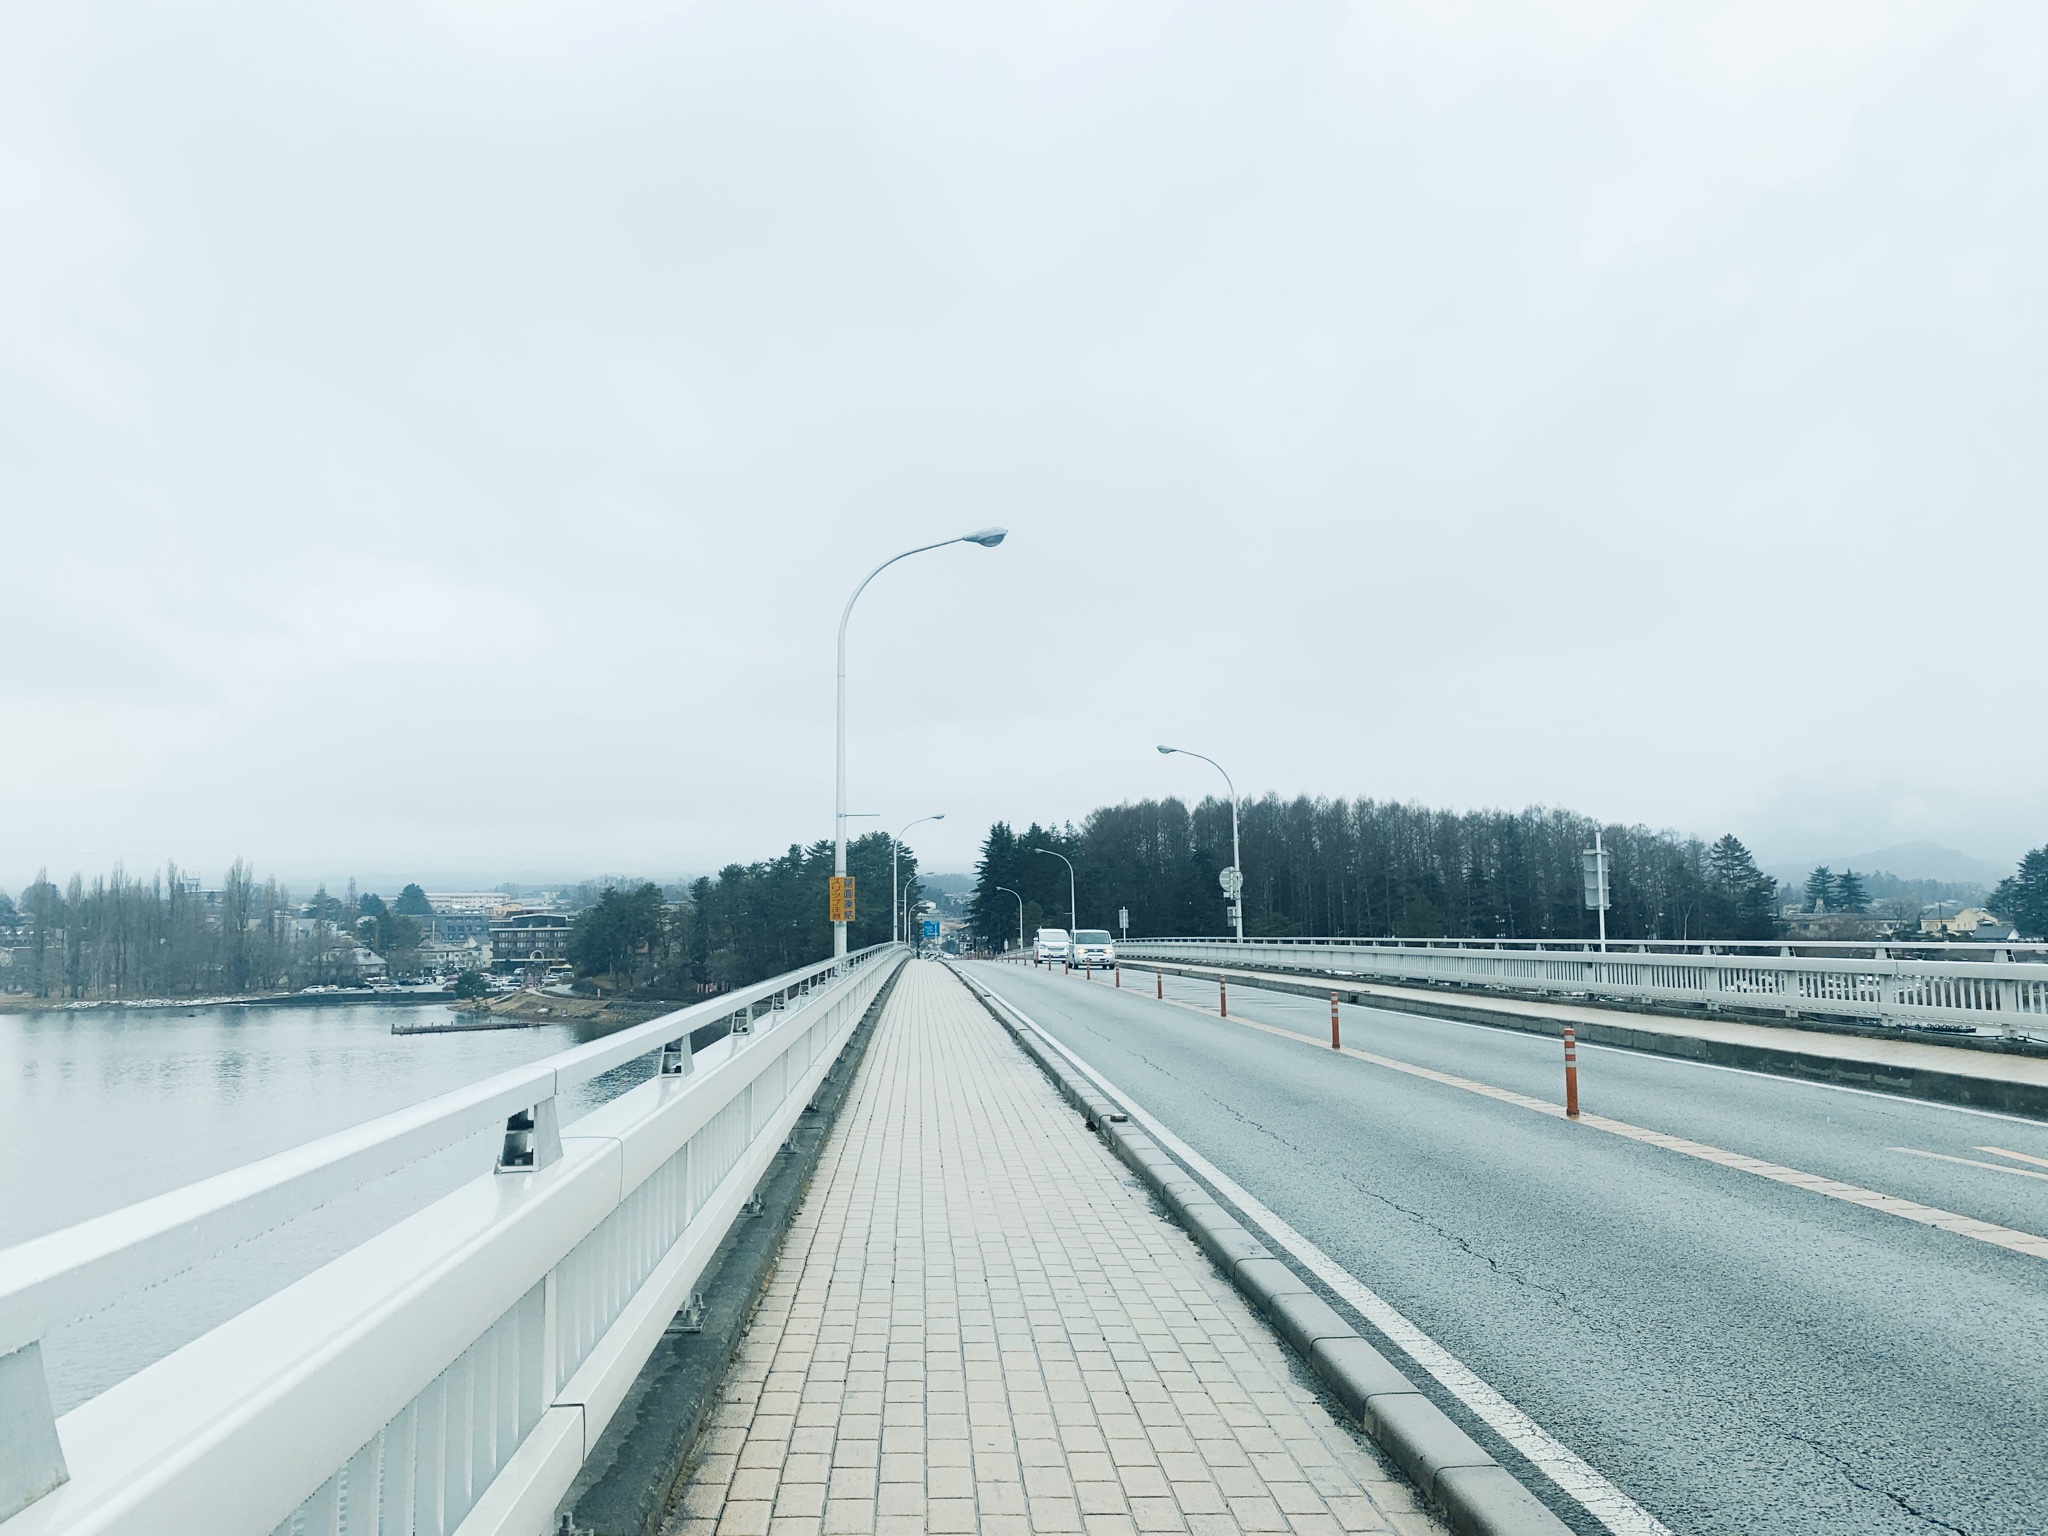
<point x="979" y="1324"/>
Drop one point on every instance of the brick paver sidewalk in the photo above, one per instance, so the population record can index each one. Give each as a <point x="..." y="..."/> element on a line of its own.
<point x="979" y="1324"/>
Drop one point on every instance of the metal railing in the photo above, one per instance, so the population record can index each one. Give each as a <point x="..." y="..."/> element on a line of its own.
<point x="451" y="1373"/>
<point x="1999" y="989"/>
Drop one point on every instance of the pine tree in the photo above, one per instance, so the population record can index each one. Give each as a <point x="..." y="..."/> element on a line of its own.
<point x="2021" y="898"/>
<point x="1744" y="897"/>
<point x="1820" y="890"/>
<point x="1850" y="896"/>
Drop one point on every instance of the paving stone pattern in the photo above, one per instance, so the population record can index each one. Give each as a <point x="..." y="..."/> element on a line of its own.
<point x="979" y="1324"/>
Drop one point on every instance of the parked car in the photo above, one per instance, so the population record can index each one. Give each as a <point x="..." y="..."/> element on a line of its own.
<point x="1052" y="945"/>
<point x="1092" y="947"/>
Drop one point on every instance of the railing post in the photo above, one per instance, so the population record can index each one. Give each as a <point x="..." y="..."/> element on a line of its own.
<point x="533" y="1139"/>
<point x="33" y="1461"/>
<point x="678" y="1058"/>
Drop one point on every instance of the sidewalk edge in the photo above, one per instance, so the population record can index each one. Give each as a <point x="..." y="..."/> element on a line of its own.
<point x="1474" y="1493"/>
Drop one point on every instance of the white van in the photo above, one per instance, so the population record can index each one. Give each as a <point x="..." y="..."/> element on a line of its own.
<point x="1091" y="947"/>
<point x="1052" y="945"/>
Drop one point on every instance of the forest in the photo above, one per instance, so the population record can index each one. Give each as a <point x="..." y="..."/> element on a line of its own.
<point x="1364" y="868"/>
<point x="752" y="922"/>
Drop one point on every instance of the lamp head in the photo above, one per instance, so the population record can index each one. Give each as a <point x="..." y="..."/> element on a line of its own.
<point x="987" y="538"/>
<point x="1168" y="751"/>
<point x="940" y="817"/>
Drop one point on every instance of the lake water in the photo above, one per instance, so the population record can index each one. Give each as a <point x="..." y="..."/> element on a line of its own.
<point x="100" y="1108"/>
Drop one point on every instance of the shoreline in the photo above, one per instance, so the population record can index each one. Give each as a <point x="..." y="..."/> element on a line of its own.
<point x="26" y="1005"/>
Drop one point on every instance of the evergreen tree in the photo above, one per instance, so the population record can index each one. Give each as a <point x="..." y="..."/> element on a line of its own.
<point x="1743" y="899"/>
<point x="1820" y="890"/>
<point x="412" y="902"/>
<point x="1850" y="895"/>
<point x="619" y="936"/>
<point x="2021" y="898"/>
<point x="1367" y="868"/>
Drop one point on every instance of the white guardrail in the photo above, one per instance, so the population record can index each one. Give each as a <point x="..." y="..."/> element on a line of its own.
<point x="1990" y="991"/>
<point x="448" y="1376"/>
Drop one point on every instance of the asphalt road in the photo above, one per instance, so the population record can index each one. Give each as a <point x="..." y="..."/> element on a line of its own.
<point x="1737" y="1355"/>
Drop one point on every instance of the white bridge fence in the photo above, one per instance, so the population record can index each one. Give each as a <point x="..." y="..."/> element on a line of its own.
<point x="449" y="1376"/>
<point x="1991" y="989"/>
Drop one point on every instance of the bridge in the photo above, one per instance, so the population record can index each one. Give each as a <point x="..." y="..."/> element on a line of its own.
<point x="1241" y="1235"/>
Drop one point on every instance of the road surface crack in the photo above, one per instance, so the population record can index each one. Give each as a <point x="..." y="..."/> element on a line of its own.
<point x="1306" y="1155"/>
<point x="1841" y="1464"/>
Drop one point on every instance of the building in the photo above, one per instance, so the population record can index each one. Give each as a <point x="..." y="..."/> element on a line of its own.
<point x="521" y="938"/>
<point x="452" y="959"/>
<point x="482" y="902"/>
<point x="456" y="927"/>
<point x="1970" y="923"/>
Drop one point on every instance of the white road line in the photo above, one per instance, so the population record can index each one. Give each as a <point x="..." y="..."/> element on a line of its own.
<point x="1971" y="1162"/>
<point x="2025" y="1157"/>
<point x="1563" y="1466"/>
<point x="1642" y="1054"/>
<point x="2010" y="1238"/>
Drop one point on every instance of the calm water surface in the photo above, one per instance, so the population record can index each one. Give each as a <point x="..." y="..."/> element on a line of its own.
<point x="101" y="1108"/>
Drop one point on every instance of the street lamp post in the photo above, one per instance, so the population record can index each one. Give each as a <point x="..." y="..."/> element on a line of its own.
<point x="1073" y="907"/>
<point x="1236" y="866"/>
<point x="1020" y="914"/>
<point x="987" y="538"/>
<point x="896" y="884"/>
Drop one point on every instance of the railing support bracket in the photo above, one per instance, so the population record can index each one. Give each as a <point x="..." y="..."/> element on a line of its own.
<point x="34" y="1460"/>
<point x="533" y="1139"/>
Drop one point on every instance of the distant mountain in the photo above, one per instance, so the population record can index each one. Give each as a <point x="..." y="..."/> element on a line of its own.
<point x="1909" y="861"/>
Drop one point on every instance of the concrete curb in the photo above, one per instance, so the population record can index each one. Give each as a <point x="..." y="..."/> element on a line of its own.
<point x="1474" y="1493"/>
<point x="1967" y="1088"/>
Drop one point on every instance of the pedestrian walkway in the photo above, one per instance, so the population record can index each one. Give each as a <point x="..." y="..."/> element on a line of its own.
<point x="978" y="1323"/>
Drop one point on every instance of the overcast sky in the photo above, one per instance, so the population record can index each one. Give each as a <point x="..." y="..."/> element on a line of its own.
<point x="436" y="439"/>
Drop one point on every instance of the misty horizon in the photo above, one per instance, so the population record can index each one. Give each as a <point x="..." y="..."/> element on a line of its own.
<point x="448" y="444"/>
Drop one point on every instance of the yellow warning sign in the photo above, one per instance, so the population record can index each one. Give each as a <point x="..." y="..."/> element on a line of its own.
<point x="842" y="898"/>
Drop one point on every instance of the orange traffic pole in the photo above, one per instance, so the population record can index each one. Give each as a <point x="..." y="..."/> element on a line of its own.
<point x="1335" y="1045"/>
<point x="1159" y="981"/>
<point x="1571" y="1074"/>
<point x="1222" y="997"/>
<point x="1119" y="974"/>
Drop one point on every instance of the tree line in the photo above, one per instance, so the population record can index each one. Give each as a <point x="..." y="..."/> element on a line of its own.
<point x="123" y="936"/>
<point x="752" y="922"/>
<point x="126" y="936"/>
<point x="1364" y="868"/>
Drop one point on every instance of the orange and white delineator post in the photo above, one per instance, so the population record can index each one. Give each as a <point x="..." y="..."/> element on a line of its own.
<point x="1222" y="997"/>
<point x="1159" y="983"/>
<point x="1335" y="1044"/>
<point x="1571" y="1074"/>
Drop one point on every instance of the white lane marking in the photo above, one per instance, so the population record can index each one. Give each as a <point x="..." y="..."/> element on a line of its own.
<point x="1971" y="1162"/>
<point x="2025" y="1157"/>
<point x="1991" y="1232"/>
<point x="1563" y="1466"/>
<point x="1655" y="1056"/>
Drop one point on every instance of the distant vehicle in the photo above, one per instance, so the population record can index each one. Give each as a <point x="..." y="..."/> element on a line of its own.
<point x="1092" y="947"/>
<point x="1052" y="945"/>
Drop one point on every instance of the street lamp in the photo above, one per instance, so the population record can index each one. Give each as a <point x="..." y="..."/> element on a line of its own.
<point x="987" y="538"/>
<point x="1020" y="914"/>
<point x="1073" y="907"/>
<point x="896" y="885"/>
<point x="1234" y="876"/>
